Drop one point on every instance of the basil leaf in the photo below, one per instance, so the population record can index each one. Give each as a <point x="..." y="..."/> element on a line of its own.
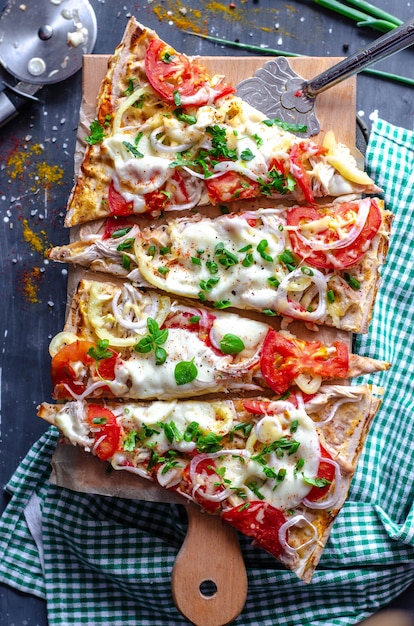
<point x="231" y="344"/>
<point x="144" y="345"/>
<point x="185" y="372"/>
<point x="160" y="355"/>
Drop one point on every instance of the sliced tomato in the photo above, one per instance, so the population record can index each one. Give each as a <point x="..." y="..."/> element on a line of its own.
<point x="117" y="203"/>
<point x="62" y="372"/>
<point x="108" y="432"/>
<point x="179" y="79"/>
<point x="231" y="186"/>
<point x="64" y="375"/>
<point x="261" y="521"/>
<point x="299" y="157"/>
<point x="283" y="359"/>
<point x="327" y="471"/>
<point x="156" y="200"/>
<point x="113" y="224"/>
<point x="336" y="258"/>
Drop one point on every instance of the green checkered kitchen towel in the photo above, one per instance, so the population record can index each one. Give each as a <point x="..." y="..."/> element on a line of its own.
<point x="100" y="560"/>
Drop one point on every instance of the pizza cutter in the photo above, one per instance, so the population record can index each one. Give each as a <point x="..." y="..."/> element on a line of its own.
<point x="41" y="42"/>
<point x="278" y="91"/>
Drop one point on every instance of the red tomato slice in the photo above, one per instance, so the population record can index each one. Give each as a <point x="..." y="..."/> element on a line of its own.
<point x="62" y="372"/>
<point x="343" y="257"/>
<point x="117" y="203"/>
<point x="283" y="359"/>
<point x="113" y="224"/>
<point x="299" y="172"/>
<point x="326" y="470"/>
<point x="63" y="375"/>
<point x="231" y="186"/>
<point x="103" y="419"/>
<point x="261" y="521"/>
<point x="179" y="79"/>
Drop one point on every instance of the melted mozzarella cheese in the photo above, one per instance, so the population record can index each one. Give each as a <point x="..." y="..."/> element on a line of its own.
<point x="71" y="421"/>
<point x="244" y="284"/>
<point x="290" y="491"/>
<point x="249" y="331"/>
<point x="139" y="377"/>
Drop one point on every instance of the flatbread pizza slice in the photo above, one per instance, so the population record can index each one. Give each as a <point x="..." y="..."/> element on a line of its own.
<point x="169" y="136"/>
<point x="316" y="264"/>
<point x="125" y="343"/>
<point x="277" y="470"/>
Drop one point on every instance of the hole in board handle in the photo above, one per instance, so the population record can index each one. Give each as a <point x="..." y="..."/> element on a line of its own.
<point x="208" y="588"/>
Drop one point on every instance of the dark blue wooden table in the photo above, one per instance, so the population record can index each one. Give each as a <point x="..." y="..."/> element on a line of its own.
<point x="36" y="175"/>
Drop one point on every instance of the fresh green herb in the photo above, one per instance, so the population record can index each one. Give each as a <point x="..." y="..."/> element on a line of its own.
<point x="330" y="296"/>
<point x="306" y="270"/>
<point x="195" y="260"/>
<point x="261" y="248"/>
<point x="100" y="420"/>
<point x="152" y="251"/>
<point x="253" y="486"/>
<point x="258" y="140"/>
<point x="133" y="149"/>
<point x="247" y="155"/>
<point x="131" y="87"/>
<point x="280" y="446"/>
<point x="167" y="57"/>
<point x="126" y="245"/>
<point x="231" y="344"/>
<point x="171" y="431"/>
<point x="153" y="341"/>
<point x="224" y="210"/>
<point x="352" y="281"/>
<point x="316" y="482"/>
<point x="204" y="443"/>
<point x="184" y="117"/>
<point x="212" y="267"/>
<point x="294" y="426"/>
<point x="287" y="259"/>
<point x="248" y="260"/>
<point x="299" y="465"/>
<point x="117" y="234"/>
<point x="126" y="262"/>
<point x="194" y="319"/>
<point x="185" y="372"/>
<point x="222" y="304"/>
<point x="276" y="183"/>
<point x="207" y="285"/>
<point x="292" y="128"/>
<point x="225" y="257"/>
<point x="219" y="143"/>
<point x="100" y="352"/>
<point x="202" y="296"/>
<point x="97" y="133"/>
<point x="270" y="312"/>
<point x="246" y="427"/>
<point x="246" y="248"/>
<point x="272" y="280"/>
<point x="163" y="270"/>
<point x="177" y="98"/>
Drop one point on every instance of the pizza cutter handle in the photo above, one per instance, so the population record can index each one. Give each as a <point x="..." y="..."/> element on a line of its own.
<point x="209" y="581"/>
<point x="11" y="102"/>
<point x="394" y="41"/>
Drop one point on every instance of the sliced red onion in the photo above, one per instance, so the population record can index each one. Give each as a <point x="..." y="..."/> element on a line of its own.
<point x="171" y="477"/>
<point x="235" y="166"/>
<point x="132" y="294"/>
<point x="292" y="522"/>
<point x="218" y="496"/>
<point x="364" y="207"/>
<point x="245" y="454"/>
<point x="287" y="308"/>
<point x="334" y="409"/>
<point x="88" y="391"/>
<point x="160" y="147"/>
<point x="333" y="497"/>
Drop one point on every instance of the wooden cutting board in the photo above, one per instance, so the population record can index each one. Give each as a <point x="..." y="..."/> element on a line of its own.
<point x="211" y="550"/>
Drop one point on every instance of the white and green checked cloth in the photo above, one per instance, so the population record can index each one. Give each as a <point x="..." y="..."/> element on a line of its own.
<point x="107" y="561"/>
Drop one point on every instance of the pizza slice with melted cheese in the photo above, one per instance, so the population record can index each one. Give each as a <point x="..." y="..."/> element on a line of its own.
<point x="169" y="136"/>
<point x="315" y="264"/>
<point x="125" y="343"/>
<point x="277" y="470"/>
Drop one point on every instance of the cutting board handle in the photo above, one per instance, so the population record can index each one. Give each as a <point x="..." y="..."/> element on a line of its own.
<point x="209" y="581"/>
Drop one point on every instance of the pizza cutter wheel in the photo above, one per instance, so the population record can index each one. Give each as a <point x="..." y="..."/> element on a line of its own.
<point x="41" y="42"/>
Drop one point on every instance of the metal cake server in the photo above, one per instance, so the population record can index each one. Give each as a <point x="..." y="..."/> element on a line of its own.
<point x="278" y="91"/>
